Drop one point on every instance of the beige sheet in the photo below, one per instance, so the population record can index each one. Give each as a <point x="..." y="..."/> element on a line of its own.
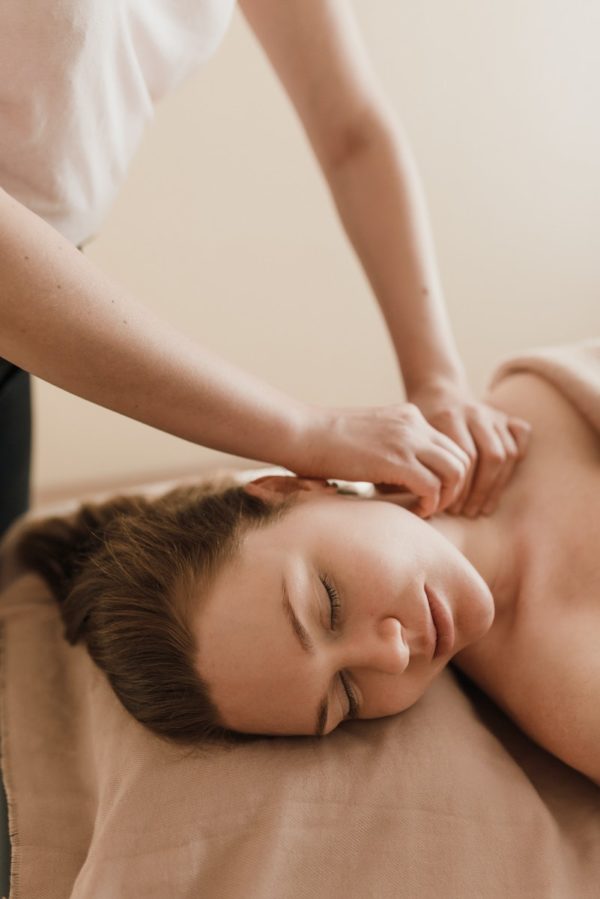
<point x="448" y="799"/>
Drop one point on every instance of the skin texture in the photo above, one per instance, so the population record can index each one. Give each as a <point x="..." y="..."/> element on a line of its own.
<point x="377" y="556"/>
<point x="537" y="556"/>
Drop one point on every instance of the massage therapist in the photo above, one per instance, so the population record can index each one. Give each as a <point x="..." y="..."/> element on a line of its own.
<point x="78" y="83"/>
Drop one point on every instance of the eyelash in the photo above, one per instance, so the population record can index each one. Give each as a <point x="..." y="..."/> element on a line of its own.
<point x="334" y="602"/>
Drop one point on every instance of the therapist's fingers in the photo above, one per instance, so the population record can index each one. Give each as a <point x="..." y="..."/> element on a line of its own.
<point x="512" y="455"/>
<point x="491" y="459"/>
<point x="456" y="428"/>
<point x="521" y="431"/>
<point x="426" y="486"/>
<point x="448" y="463"/>
<point x="515" y="437"/>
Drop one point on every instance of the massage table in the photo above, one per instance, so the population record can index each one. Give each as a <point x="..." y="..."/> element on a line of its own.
<point x="448" y="799"/>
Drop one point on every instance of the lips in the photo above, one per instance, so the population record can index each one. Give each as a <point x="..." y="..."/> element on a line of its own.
<point x="443" y="622"/>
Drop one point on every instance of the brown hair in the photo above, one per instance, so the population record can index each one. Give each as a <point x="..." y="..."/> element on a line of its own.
<point x="128" y="573"/>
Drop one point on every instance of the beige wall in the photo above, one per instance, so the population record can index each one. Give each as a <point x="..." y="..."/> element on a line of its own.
<point x="225" y="225"/>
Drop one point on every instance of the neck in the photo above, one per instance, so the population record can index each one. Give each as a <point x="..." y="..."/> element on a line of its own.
<point x="492" y="546"/>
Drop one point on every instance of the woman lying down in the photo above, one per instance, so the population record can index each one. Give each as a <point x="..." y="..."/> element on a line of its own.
<point x="286" y="607"/>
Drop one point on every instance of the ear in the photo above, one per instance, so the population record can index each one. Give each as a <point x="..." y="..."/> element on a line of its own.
<point x="273" y="487"/>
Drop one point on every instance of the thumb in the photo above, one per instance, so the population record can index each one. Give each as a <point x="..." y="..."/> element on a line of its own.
<point x="426" y="486"/>
<point x="521" y="431"/>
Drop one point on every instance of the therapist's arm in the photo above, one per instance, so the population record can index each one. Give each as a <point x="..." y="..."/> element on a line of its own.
<point x="63" y="320"/>
<point x="317" y="52"/>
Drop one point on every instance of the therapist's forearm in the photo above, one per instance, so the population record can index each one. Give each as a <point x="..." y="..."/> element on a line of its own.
<point x="64" y="321"/>
<point x="381" y="203"/>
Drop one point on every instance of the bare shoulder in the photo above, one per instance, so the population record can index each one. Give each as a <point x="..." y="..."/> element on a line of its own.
<point x="542" y="665"/>
<point x="556" y="422"/>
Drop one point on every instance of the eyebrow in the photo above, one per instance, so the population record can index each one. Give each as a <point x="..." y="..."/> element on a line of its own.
<point x="307" y="644"/>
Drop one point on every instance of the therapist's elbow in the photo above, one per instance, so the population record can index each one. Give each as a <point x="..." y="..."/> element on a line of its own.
<point x="370" y="133"/>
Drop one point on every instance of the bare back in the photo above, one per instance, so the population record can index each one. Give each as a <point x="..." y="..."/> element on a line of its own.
<point x="541" y="663"/>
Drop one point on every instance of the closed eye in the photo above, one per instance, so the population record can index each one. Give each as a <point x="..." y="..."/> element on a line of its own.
<point x="335" y="605"/>
<point x="334" y="600"/>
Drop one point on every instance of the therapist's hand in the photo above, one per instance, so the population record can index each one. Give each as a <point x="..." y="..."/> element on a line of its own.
<point x="393" y="446"/>
<point x="493" y="441"/>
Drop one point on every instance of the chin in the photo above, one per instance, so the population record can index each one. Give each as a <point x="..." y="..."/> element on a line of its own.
<point x="487" y="612"/>
<point x="476" y="616"/>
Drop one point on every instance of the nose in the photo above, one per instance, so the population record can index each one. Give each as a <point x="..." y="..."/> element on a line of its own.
<point x="383" y="647"/>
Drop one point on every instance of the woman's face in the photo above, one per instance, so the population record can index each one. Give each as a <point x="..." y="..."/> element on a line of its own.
<point x="276" y="654"/>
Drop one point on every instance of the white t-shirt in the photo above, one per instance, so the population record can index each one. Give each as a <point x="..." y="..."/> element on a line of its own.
<point x="79" y="80"/>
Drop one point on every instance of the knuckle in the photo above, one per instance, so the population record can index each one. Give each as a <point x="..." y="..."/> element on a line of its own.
<point x="412" y="412"/>
<point x="456" y="469"/>
<point x="404" y="455"/>
<point x="474" y="411"/>
<point x="496" y="456"/>
<point x="452" y="484"/>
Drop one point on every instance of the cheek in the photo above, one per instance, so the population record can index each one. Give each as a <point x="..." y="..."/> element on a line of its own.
<point x="386" y="571"/>
<point x="384" y="695"/>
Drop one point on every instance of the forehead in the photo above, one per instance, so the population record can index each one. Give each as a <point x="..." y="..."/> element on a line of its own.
<point x="245" y="599"/>
<point x="245" y="645"/>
